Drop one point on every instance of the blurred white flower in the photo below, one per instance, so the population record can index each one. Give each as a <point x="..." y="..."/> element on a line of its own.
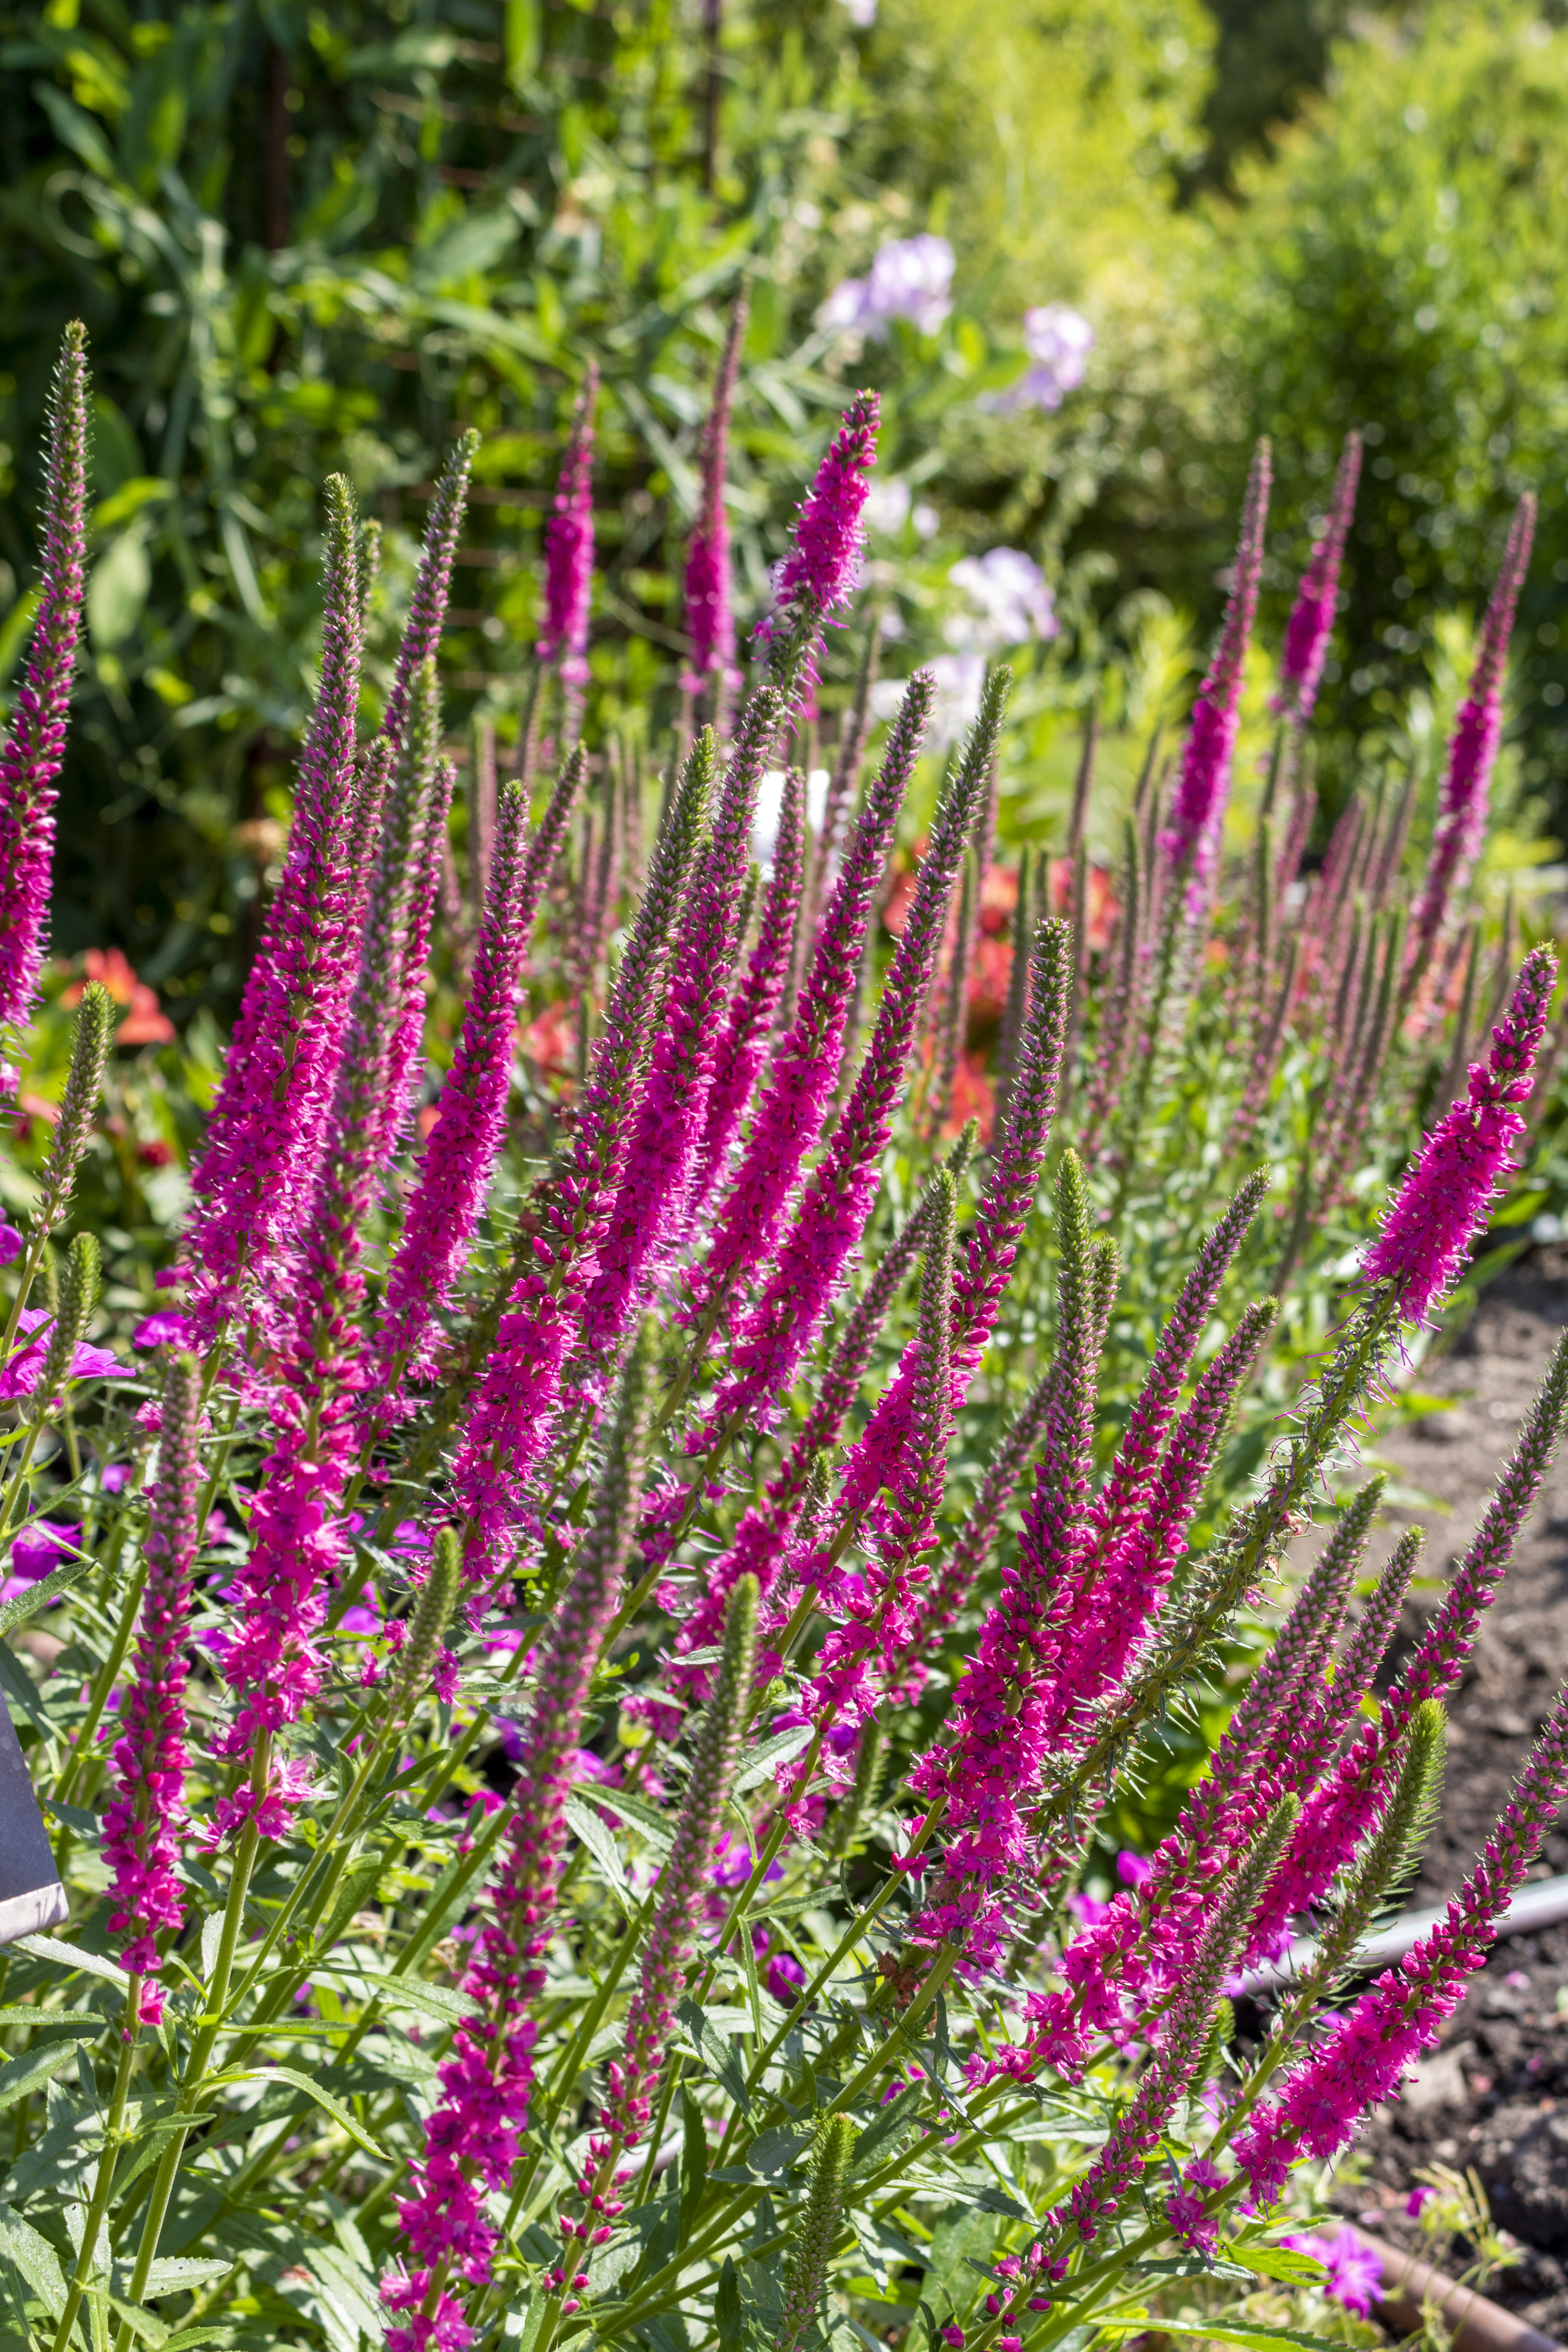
<point x="959" y="682"/>
<point x="1058" y="341"/>
<point x="886" y="507"/>
<point x="1012" y="599"/>
<point x="770" y="803"/>
<point x="927" y="521"/>
<point x="862" y="14"/>
<point x="911" y="279"/>
<point x="959" y="679"/>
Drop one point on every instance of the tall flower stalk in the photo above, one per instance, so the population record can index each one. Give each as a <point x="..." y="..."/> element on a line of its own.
<point x="142" y="1827"/>
<point x="710" y="615"/>
<point x="1472" y="752"/>
<point x="34" y="747"/>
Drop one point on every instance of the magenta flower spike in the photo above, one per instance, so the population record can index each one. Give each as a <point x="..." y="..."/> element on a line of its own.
<point x="141" y="1827"/>
<point x="997" y="1747"/>
<point x="649" y="1216"/>
<point x="1349" y="1799"/>
<point x="465" y="1140"/>
<point x="755" y="999"/>
<point x="471" y="2140"/>
<point x="34" y="748"/>
<point x="761" y="1541"/>
<point x="633" y="2075"/>
<point x="515" y="1406"/>
<point x="405" y="1056"/>
<point x="1472" y="751"/>
<point x="569" y="546"/>
<point x="834" y="1207"/>
<point x="1203" y="787"/>
<point x="428" y="605"/>
<point x="1442" y="1205"/>
<point x="822" y="569"/>
<point x="801" y="1078"/>
<point x="710" y="617"/>
<point x="874" y="1645"/>
<point x="1361" y="2059"/>
<point x="1124" y="1602"/>
<point x="1311" y="621"/>
<point x="250" y="1183"/>
<point x="1122" y="1499"/>
<point x="1294" y="1665"/>
<point x="274" y="1663"/>
<point x="1180" y="2043"/>
<point x="879" y="1458"/>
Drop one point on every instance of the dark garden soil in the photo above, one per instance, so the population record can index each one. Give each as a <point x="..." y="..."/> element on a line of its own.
<point x="1494" y="2096"/>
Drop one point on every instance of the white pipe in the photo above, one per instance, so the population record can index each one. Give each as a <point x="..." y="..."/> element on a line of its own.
<point x="1540" y="1905"/>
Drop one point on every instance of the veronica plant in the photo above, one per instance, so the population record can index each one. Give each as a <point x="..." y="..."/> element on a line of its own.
<point x="581" y="1714"/>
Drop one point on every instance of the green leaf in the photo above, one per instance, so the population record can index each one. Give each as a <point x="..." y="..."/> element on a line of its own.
<point x="586" y="1824"/>
<point x="170" y="2272"/>
<point x="1224" y="2331"/>
<point x="21" y="2245"/>
<point x="361" y="1881"/>
<point x="15" y="631"/>
<point x="117" y="591"/>
<point x="312" y="2090"/>
<point x="717" y="2054"/>
<point x="1277" y="2263"/>
<point x="34" y="2068"/>
<point x="759" y="1761"/>
<point x="69" y="1956"/>
<point x="441" y="2002"/>
<point x="637" y="1813"/>
<point x="19" y="1688"/>
<point x="693" y="2158"/>
<point x="21" y="2014"/>
<point x="48" y="1588"/>
<point x="727" y="2306"/>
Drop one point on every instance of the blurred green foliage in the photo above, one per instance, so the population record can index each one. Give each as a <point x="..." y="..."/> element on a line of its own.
<point x="1397" y="267"/>
<point x="305" y="239"/>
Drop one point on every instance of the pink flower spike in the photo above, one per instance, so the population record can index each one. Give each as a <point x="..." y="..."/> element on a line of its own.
<point x="141" y="1827"/>
<point x="710" y="620"/>
<point x="822" y="570"/>
<point x="34" y="747"/>
<point x="569" y="546"/>
<point x="795" y="1100"/>
<point x="471" y="2140"/>
<point x="1311" y="619"/>
<point x="1203" y="787"/>
<point x="755" y="998"/>
<point x="832" y="1210"/>
<point x="1472" y="751"/>
<point x="252" y="1181"/>
<point x="1442" y="1205"/>
<point x="467" y="1138"/>
<point x="1362" y="2059"/>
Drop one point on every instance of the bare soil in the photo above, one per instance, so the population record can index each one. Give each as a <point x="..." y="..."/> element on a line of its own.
<point x="1494" y="2096"/>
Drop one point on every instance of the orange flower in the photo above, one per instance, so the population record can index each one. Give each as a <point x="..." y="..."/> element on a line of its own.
<point x="144" y="1023"/>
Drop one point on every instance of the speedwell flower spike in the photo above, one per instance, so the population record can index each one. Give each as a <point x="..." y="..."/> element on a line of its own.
<point x="755" y="998"/>
<point x="34" y="747"/>
<point x="1472" y="753"/>
<point x="828" y="1220"/>
<point x="794" y="1102"/>
<point x="142" y="1825"/>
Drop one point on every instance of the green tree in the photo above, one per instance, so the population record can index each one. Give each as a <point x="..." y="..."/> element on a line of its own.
<point x="1398" y="268"/>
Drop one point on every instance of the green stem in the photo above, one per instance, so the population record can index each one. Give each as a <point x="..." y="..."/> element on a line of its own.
<point x="103" y="1683"/>
<point x="109" y="2158"/>
<point x="200" y="2055"/>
